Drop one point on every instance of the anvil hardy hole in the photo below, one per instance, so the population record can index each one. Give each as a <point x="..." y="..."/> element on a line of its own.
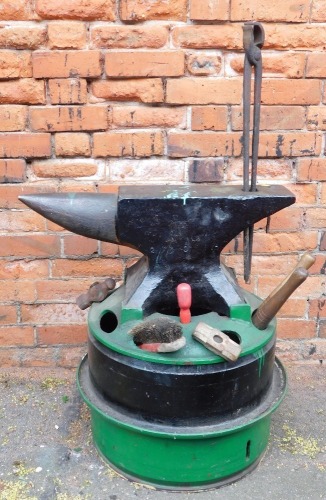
<point x="233" y="336"/>
<point x="108" y="322"/>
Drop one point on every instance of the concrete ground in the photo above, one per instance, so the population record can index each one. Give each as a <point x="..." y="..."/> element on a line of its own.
<point x="46" y="449"/>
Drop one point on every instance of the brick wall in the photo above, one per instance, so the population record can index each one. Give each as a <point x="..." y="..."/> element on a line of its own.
<point x="94" y="94"/>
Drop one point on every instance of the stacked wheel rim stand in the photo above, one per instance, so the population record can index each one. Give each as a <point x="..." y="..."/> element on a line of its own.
<point x="192" y="418"/>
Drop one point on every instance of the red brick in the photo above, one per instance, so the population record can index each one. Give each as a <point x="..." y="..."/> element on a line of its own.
<point x="283" y="64"/>
<point x="141" y="116"/>
<point x="142" y="10"/>
<point x="198" y="144"/>
<point x="55" y="290"/>
<point x="322" y="329"/>
<point x="55" y="314"/>
<point x="144" y="64"/>
<point x="313" y="287"/>
<point x="15" y="64"/>
<point x="267" y="170"/>
<point x="301" y="92"/>
<point x="68" y="91"/>
<point x="316" y="65"/>
<point x="315" y="217"/>
<point x="289" y="144"/>
<point x="24" y="91"/>
<point x="94" y="10"/>
<point x="8" y="315"/>
<point x="64" y="168"/>
<point x="38" y="358"/>
<point x="293" y="308"/>
<point x="228" y="36"/>
<point x="67" y="35"/>
<point x="86" y="268"/>
<point x="12" y="171"/>
<point x="209" y="118"/>
<point x="13" y="118"/>
<point x="289" y="219"/>
<point x="297" y="11"/>
<point x="142" y="90"/>
<point x="25" y="36"/>
<point x="206" y="170"/>
<point x="19" y="10"/>
<point x="79" y="245"/>
<point x="203" y="91"/>
<point x="296" y="36"/>
<point x="136" y="144"/>
<point x="24" y="269"/>
<point x="64" y="64"/>
<point x="203" y="64"/>
<point x="304" y="193"/>
<point x="9" y="194"/>
<point x="26" y="145"/>
<point x="317" y="308"/>
<point x="146" y="171"/>
<point x="24" y="221"/>
<point x="323" y="193"/>
<point x="17" y="291"/>
<point x="284" y="242"/>
<point x="127" y="37"/>
<point x="108" y="249"/>
<point x="69" y="118"/>
<point x="56" y="335"/>
<point x="319" y="266"/>
<point x="296" y="329"/>
<point x="316" y="118"/>
<point x="72" y="144"/>
<point x="209" y="10"/>
<point x="273" y="118"/>
<point x="318" y="12"/>
<point x="30" y="246"/>
<point x="16" y="336"/>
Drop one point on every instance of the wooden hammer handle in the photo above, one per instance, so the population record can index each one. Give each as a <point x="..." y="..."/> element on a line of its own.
<point x="273" y="303"/>
<point x="306" y="261"/>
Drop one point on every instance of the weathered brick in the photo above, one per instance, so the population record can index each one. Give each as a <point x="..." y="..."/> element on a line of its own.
<point x="297" y="11"/>
<point x="16" y="336"/>
<point x="67" y="35"/>
<point x="315" y="217"/>
<point x="281" y="91"/>
<point x="322" y="245"/>
<point x="19" y="10"/>
<point x="273" y="118"/>
<point x="206" y="170"/>
<point x="267" y="170"/>
<point x="141" y="116"/>
<point x="9" y="194"/>
<point x="322" y="329"/>
<point x="64" y="168"/>
<point x="296" y="328"/>
<point x="284" y="242"/>
<point x="56" y="335"/>
<point x="146" y="171"/>
<point x="15" y="64"/>
<point x="68" y="91"/>
<point x="317" y="308"/>
<point x="316" y="118"/>
<point x="127" y="37"/>
<point x="209" y="118"/>
<point x="17" y="291"/>
<point x="13" y="118"/>
<point x="25" y="145"/>
<point x="108" y="249"/>
<point x="19" y="222"/>
<point x="228" y="36"/>
<point x="55" y="314"/>
<point x="323" y="193"/>
<point x="85" y="268"/>
<point x="142" y="90"/>
<point x="289" y="219"/>
<point x="282" y="64"/>
<point x="141" y="144"/>
<point x="26" y="36"/>
<point x="318" y="12"/>
<point x="316" y="65"/>
<point x="94" y="10"/>
<point x="8" y="315"/>
<point x="142" y="10"/>
<point x="30" y="246"/>
<point x="297" y="37"/>
<point x="289" y="144"/>
<point x="69" y="118"/>
<point x="198" y="144"/>
<point x="293" y="308"/>
<point x="64" y="64"/>
<point x="144" y="64"/>
<point x="209" y="10"/>
<point x="304" y="193"/>
<point x="319" y="267"/>
<point x="203" y="64"/>
<point x="24" y="91"/>
<point x="12" y="171"/>
<point x="311" y="169"/>
<point x="58" y="290"/>
<point x="79" y="245"/>
<point x="203" y="91"/>
<point x="72" y="144"/>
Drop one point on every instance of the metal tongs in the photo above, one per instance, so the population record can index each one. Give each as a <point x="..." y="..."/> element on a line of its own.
<point x="253" y="40"/>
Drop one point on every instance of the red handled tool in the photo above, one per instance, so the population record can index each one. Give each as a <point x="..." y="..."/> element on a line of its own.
<point x="184" y="302"/>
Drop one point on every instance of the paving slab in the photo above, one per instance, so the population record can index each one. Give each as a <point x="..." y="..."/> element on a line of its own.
<point x="46" y="449"/>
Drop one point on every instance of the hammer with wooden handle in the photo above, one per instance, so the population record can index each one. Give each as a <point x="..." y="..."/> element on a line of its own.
<point x="273" y="303"/>
<point x="306" y="261"/>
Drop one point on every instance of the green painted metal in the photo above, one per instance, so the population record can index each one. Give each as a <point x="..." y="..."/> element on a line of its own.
<point x="178" y="457"/>
<point x="241" y="311"/>
<point x="119" y="340"/>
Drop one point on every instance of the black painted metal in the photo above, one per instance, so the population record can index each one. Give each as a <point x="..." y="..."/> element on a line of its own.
<point x="180" y="394"/>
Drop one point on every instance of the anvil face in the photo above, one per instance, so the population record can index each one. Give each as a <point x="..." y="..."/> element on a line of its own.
<point x="180" y="229"/>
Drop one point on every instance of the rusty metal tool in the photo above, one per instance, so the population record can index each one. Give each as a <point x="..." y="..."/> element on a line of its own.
<point x="273" y="303"/>
<point x="97" y="292"/>
<point x="253" y="40"/>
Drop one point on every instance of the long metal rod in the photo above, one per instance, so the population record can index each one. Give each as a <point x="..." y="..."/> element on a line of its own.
<point x="253" y="39"/>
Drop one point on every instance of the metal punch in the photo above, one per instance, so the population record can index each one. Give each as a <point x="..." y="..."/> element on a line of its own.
<point x="253" y="40"/>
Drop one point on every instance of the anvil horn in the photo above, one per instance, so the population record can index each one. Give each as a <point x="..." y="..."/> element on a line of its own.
<point x="89" y="214"/>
